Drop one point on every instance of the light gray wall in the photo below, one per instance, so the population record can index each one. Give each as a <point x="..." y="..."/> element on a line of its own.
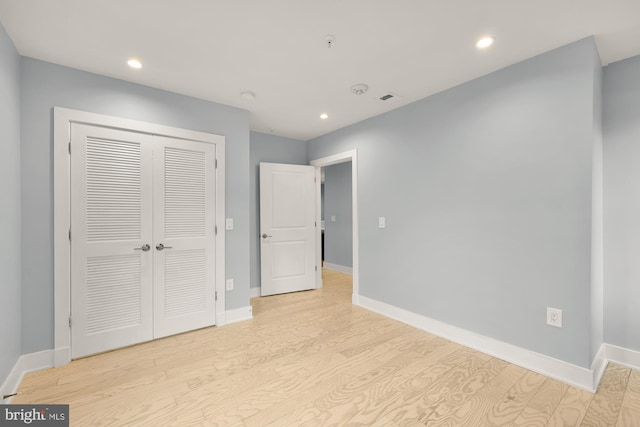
<point x="486" y="189"/>
<point x="622" y="203"/>
<point x="46" y="85"/>
<point x="338" y="235"/>
<point x="10" y="317"/>
<point x="271" y="149"/>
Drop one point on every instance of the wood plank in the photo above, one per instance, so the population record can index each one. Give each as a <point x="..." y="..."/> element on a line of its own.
<point x="464" y="391"/>
<point x="342" y="404"/>
<point x="607" y="403"/>
<point x="513" y="401"/>
<point x="571" y="409"/>
<point x="628" y="417"/>
<point x="478" y="405"/>
<point x="632" y="394"/>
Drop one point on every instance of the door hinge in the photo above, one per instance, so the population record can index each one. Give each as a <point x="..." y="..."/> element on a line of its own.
<point x="216" y="230"/>
<point x="315" y="224"/>
<point x="69" y="234"/>
<point x="316" y="268"/>
<point x="216" y="163"/>
<point x="69" y="321"/>
<point x="69" y="147"/>
<point x="216" y="295"/>
<point x="314" y="179"/>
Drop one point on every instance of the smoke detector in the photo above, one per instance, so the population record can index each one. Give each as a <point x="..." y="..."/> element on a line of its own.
<point x="329" y="39"/>
<point x="359" y="89"/>
<point x="248" y="95"/>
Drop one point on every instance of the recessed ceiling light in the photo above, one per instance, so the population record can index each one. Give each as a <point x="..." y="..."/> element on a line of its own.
<point x="324" y="116"/>
<point x="485" y="42"/>
<point x="134" y="63"/>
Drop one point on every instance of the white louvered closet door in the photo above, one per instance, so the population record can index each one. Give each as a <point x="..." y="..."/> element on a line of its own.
<point x="111" y="211"/>
<point x="184" y="224"/>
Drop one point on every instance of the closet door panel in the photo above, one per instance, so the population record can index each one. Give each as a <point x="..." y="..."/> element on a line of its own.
<point x="111" y="211"/>
<point x="184" y="235"/>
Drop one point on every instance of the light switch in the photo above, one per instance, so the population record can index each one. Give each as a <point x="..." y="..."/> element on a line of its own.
<point x="229" y="224"/>
<point x="333" y="218"/>
<point x="382" y="223"/>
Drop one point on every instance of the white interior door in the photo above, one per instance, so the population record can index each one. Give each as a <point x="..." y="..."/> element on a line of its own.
<point x="184" y="235"/>
<point x="111" y="268"/>
<point x="287" y="228"/>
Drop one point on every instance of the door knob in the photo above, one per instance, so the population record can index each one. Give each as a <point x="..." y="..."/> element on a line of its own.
<point x="265" y="235"/>
<point x="160" y="247"/>
<point x="144" y="247"/>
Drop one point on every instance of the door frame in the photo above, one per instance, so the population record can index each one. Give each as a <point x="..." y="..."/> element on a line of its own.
<point x="62" y="120"/>
<point x="344" y="157"/>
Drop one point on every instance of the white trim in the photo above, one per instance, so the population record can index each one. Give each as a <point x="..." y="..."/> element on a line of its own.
<point x="239" y="314"/>
<point x="338" y="268"/>
<point x="63" y="118"/>
<point x="352" y="156"/>
<point x="12" y="382"/>
<point x="622" y="356"/>
<point x="557" y="369"/>
<point x="599" y="365"/>
<point x="26" y="363"/>
<point x="319" y="179"/>
<point x="61" y="356"/>
<point x="255" y="292"/>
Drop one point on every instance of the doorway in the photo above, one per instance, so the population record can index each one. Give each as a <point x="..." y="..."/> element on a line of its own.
<point x="337" y="219"/>
<point x="347" y="156"/>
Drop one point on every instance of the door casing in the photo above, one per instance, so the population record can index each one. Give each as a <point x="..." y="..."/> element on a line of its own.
<point x="352" y="156"/>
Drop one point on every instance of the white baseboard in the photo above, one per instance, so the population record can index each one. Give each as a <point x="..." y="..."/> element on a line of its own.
<point x="563" y="371"/>
<point x="26" y="363"/>
<point x="12" y="382"/>
<point x="338" y="268"/>
<point x="239" y="314"/>
<point x="255" y="292"/>
<point x="622" y="356"/>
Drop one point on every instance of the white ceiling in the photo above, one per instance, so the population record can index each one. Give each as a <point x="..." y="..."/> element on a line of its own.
<point x="215" y="49"/>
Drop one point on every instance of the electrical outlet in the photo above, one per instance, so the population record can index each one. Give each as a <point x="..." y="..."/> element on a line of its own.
<point x="554" y="317"/>
<point x="382" y="222"/>
<point x="229" y="284"/>
<point x="229" y="224"/>
<point x="333" y="218"/>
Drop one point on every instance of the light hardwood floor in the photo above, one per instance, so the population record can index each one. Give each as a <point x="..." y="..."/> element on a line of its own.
<point x="311" y="358"/>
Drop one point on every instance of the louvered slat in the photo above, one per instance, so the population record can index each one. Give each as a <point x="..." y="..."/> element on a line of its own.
<point x="185" y="193"/>
<point x="113" y="292"/>
<point x="185" y="282"/>
<point x="113" y="192"/>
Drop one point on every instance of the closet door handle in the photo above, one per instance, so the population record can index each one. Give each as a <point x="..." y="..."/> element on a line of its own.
<point x="160" y="247"/>
<point x="144" y="247"/>
<point x="265" y="235"/>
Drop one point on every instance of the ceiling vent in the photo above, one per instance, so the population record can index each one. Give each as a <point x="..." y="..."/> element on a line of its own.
<point x="389" y="98"/>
